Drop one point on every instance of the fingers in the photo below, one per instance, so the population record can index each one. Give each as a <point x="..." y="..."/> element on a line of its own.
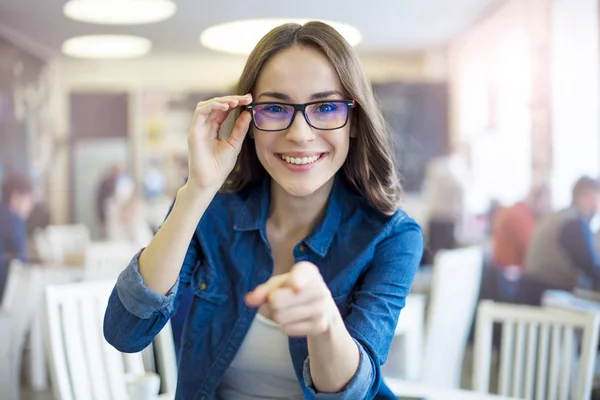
<point x="261" y="293"/>
<point x="287" y="297"/>
<point x="303" y="280"/>
<point x="222" y="104"/>
<point x="303" y="275"/>
<point x="298" y="312"/>
<point x="299" y="301"/>
<point x="241" y="100"/>
<point x="242" y="125"/>
<point x="212" y="113"/>
<point x="302" y="318"/>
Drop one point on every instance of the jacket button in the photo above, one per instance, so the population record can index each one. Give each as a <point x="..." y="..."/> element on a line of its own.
<point x="302" y="248"/>
<point x="202" y="286"/>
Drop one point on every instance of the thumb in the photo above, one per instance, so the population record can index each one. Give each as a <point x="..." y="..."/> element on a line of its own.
<point x="240" y="130"/>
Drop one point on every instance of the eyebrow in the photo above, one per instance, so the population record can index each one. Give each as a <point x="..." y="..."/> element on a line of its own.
<point x="315" y="96"/>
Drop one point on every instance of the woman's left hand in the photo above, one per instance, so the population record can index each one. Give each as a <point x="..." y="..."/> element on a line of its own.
<point x="300" y="301"/>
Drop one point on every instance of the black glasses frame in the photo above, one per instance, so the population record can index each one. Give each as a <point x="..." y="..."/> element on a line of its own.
<point x="302" y="108"/>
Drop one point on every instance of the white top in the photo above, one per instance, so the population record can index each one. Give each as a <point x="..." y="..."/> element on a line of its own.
<point x="262" y="368"/>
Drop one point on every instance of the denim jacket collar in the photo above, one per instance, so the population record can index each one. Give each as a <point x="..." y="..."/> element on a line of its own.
<point x="254" y="214"/>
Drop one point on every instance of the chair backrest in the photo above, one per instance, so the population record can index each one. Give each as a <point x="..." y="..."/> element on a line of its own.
<point x="83" y="364"/>
<point x="106" y="260"/>
<point x="538" y="353"/>
<point x="67" y="242"/>
<point x="22" y="294"/>
<point x="17" y="309"/>
<point x="454" y="291"/>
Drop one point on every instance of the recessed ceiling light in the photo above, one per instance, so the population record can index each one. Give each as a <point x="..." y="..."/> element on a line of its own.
<point x="106" y="46"/>
<point x="240" y="37"/>
<point x="119" y="12"/>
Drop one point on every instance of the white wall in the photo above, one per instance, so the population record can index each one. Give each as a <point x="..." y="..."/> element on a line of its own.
<point x="490" y="100"/>
<point x="575" y="69"/>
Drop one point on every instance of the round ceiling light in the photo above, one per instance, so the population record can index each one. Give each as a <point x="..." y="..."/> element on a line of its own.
<point x="119" y="12"/>
<point x="240" y="37"/>
<point x="106" y="46"/>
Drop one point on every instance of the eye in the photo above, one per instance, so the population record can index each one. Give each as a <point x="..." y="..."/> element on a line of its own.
<point x="326" y="107"/>
<point x="274" y="108"/>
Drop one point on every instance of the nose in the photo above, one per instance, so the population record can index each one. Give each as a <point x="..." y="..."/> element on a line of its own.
<point x="300" y="131"/>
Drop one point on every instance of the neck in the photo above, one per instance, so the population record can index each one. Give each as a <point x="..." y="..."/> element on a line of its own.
<point x="297" y="216"/>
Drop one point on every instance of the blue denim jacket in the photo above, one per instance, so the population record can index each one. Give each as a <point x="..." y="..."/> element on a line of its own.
<point x="367" y="259"/>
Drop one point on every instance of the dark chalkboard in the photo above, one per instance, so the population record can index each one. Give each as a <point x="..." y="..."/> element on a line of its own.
<point x="418" y="116"/>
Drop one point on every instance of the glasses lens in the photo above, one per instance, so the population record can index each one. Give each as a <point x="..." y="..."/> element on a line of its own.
<point x="272" y="117"/>
<point x="328" y="114"/>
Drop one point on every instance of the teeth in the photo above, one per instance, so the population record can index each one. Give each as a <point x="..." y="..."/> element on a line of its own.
<point x="299" y="160"/>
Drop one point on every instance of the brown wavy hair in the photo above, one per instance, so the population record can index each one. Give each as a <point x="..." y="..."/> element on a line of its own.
<point x="370" y="167"/>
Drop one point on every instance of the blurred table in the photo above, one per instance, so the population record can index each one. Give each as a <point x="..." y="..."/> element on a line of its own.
<point x="564" y="299"/>
<point x="402" y="388"/>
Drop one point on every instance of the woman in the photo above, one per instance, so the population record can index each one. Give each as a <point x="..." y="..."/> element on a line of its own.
<point x="288" y="233"/>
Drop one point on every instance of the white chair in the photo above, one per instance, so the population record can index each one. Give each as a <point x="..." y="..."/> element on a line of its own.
<point x="21" y="296"/>
<point x="529" y="334"/>
<point x="106" y="260"/>
<point x="164" y="347"/>
<point x="406" y="352"/>
<point x="572" y="301"/>
<point x="454" y="292"/>
<point x="36" y="373"/>
<point x="83" y="364"/>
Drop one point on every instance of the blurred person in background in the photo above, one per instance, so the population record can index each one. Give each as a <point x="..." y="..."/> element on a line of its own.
<point x="512" y="231"/>
<point x="445" y="186"/>
<point x="513" y="227"/>
<point x="15" y="208"/>
<point x="562" y="254"/>
<point x="106" y="191"/>
<point x="125" y="214"/>
<point x="158" y="202"/>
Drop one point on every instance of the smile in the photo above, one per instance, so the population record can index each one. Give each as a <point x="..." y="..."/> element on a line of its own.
<point x="301" y="160"/>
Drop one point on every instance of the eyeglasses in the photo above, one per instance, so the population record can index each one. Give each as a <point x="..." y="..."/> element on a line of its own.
<point x="322" y="115"/>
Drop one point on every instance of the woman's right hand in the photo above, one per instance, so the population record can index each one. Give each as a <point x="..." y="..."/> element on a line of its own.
<point x="211" y="159"/>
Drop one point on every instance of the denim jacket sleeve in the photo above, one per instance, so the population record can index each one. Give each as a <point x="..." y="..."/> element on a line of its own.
<point x="376" y="307"/>
<point x="135" y="314"/>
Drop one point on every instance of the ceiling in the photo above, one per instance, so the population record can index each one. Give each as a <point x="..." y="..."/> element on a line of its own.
<point x="388" y="26"/>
